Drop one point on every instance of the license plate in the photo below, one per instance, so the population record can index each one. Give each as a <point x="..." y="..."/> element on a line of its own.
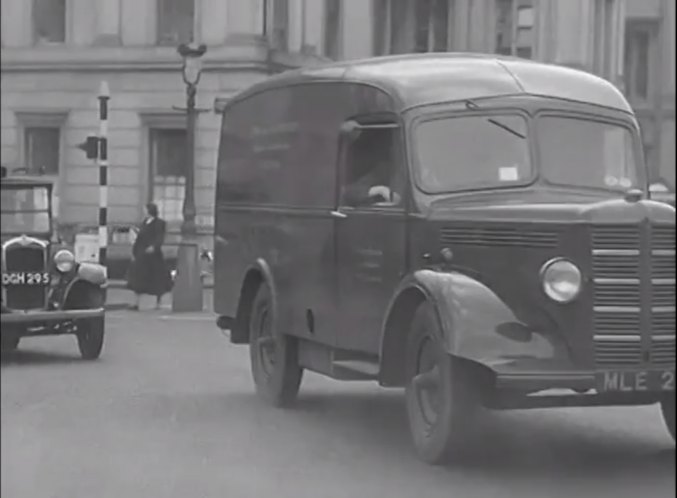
<point x="636" y="380"/>
<point x="25" y="278"/>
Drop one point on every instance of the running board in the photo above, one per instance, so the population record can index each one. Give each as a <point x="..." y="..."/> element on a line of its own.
<point x="336" y="363"/>
<point x="355" y="369"/>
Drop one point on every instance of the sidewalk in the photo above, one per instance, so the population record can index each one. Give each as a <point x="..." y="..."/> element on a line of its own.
<point x="120" y="298"/>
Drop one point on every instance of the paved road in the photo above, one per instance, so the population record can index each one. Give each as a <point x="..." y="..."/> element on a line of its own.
<point x="168" y="411"/>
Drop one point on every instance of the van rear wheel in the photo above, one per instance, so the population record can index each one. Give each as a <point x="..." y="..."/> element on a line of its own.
<point x="273" y="355"/>
<point x="10" y="342"/>
<point x="440" y="401"/>
<point x="668" y="410"/>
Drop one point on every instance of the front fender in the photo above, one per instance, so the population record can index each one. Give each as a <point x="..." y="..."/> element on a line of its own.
<point x="91" y="276"/>
<point x="477" y="324"/>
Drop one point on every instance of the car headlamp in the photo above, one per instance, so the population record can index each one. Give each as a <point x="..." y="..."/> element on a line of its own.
<point x="561" y="279"/>
<point x="64" y="260"/>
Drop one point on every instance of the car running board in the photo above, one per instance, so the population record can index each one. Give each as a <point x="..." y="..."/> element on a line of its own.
<point x="355" y="369"/>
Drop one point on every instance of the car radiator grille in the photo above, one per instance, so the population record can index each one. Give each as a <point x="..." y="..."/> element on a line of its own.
<point x="32" y="259"/>
<point x="622" y="292"/>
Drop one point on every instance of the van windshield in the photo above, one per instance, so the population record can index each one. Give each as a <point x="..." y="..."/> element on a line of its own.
<point x="585" y="153"/>
<point x="25" y="210"/>
<point x="478" y="151"/>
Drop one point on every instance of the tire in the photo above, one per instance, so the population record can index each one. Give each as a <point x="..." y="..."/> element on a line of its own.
<point x="668" y="410"/>
<point x="9" y="343"/>
<point x="273" y="355"/>
<point x="90" y="338"/>
<point x="440" y="400"/>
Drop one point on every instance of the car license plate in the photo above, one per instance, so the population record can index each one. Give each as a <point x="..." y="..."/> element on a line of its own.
<point x="636" y="380"/>
<point x="25" y="278"/>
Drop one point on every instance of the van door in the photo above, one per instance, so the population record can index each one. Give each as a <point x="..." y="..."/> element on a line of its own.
<point x="370" y="230"/>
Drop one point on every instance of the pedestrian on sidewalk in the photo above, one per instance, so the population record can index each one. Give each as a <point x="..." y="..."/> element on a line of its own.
<point x="148" y="273"/>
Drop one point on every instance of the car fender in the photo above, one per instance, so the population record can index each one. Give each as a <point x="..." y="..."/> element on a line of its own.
<point x="90" y="275"/>
<point x="476" y="323"/>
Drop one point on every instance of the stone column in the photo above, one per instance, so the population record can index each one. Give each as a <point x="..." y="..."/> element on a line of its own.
<point x="244" y="19"/>
<point x="296" y="25"/>
<point x="357" y="29"/>
<point x="139" y="26"/>
<point x="213" y="15"/>
<point x="571" y="34"/>
<point x="108" y="14"/>
<point x="16" y="23"/>
<point x="314" y="23"/>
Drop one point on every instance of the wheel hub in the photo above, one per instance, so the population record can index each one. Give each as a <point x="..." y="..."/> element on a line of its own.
<point x="427" y="383"/>
<point x="266" y="344"/>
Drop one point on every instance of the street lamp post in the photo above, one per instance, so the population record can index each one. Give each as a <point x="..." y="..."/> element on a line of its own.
<point x="187" y="291"/>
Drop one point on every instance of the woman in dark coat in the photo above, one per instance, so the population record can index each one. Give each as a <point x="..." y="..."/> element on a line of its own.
<point x="148" y="273"/>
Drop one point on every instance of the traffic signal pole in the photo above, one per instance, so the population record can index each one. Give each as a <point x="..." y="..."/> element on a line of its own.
<point x="102" y="162"/>
<point x="96" y="148"/>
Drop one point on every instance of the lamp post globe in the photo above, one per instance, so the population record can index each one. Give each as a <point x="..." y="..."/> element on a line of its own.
<point x="191" y="69"/>
<point x="187" y="292"/>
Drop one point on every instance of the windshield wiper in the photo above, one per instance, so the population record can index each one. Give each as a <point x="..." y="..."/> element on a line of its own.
<point x="507" y="128"/>
<point x="469" y="104"/>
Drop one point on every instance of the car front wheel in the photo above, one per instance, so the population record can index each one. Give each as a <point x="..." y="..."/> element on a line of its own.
<point x="273" y="355"/>
<point x="440" y="401"/>
<point x="90" y="338"/>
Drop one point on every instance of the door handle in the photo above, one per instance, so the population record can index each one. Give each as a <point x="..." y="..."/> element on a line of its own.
<point x="338" y="214"/>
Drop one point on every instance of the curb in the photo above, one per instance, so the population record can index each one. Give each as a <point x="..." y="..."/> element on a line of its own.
<point x="121" y="284"/>
<point x="116" y="306"/>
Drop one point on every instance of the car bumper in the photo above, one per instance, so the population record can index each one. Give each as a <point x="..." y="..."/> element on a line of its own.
<point x="544" y="384"/>
<point x="28" y="317"/>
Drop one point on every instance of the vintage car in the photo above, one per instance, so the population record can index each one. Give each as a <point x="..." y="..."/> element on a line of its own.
<point x="661" y="191"/>
<point x="475" y="229"/>
<point x="44" y="294"/>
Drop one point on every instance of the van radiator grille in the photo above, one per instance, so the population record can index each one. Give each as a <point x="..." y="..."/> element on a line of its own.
<point x="624" y="295"/>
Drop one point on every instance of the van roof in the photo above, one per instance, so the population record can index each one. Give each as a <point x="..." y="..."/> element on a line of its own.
<point x="420" y="79"/>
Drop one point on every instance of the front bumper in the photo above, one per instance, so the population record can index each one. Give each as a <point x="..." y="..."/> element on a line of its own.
<point x="42" y="317"/>
<point x="543" y="384"/>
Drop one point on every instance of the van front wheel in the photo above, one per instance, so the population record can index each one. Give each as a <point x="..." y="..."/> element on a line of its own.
<point x="440" y="401"/>
<point x="273" y="355"/>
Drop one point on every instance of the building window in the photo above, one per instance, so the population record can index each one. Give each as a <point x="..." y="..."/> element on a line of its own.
<point x="49" y="21"/>
<point x="515" y="28"/>
<point x="42" y="149"/>
<point x="332" y="29"/>
<point x="640" y="38"/>
<point x="401" y="26"/>
<point x="168" y="159"/>
<point x="176" y="21"/>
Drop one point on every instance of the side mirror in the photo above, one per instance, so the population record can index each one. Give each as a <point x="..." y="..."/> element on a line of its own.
<point x="351" y="130"/>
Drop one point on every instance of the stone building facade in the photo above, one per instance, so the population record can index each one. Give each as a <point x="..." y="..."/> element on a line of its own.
<point x="55" y="53"/>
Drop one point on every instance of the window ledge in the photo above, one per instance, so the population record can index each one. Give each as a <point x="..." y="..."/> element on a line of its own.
<point x="250" y="55"/>
<point x="107" y="57"/>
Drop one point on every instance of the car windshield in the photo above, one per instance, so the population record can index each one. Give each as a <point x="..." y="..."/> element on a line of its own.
<point x="584" y="153"/>
<point x="468" y="152"/>
<point x="25" y="210"/>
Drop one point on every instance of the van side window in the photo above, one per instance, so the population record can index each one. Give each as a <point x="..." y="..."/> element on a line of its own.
<point x="372" y="173"/>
